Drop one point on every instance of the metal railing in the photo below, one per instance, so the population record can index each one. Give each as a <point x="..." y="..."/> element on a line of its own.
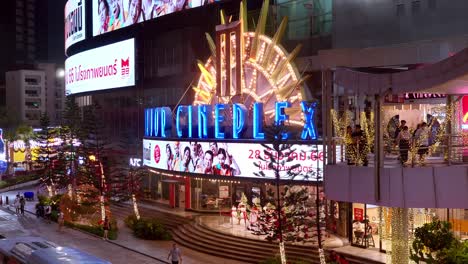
<point x="446" y="150"/>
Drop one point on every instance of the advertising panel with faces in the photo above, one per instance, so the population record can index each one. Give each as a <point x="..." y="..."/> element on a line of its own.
<point x="106" y="67"/>
<point x="229" y="159"/>
<point x="110" y="15"/>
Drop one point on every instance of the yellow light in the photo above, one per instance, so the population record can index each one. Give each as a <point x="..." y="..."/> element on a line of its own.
<point x="92" y="158"/>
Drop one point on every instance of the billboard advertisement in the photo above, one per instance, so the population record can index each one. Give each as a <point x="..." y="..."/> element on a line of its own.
<point x="228" y="159"/>
<point x="110" y="15"/>
<point x="3" y="161"/>
<point x="106" y="67"/>
<point x="75" y="26"/>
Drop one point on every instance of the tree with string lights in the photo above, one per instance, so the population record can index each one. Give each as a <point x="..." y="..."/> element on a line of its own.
<point x="277" y="154"/>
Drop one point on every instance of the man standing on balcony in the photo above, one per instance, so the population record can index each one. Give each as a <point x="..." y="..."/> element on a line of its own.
<point x="360" y="140"/>
<point x="422" y="137"/>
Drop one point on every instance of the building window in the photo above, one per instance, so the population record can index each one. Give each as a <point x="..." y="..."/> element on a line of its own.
<point x="400" y="10"/>
<point x="416" y="7"/>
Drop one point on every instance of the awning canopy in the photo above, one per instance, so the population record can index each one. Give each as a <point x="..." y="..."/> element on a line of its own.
<point x="449" y="76"/>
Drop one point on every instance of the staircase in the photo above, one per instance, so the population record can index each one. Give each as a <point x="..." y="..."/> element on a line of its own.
<point x="192" y="234"/>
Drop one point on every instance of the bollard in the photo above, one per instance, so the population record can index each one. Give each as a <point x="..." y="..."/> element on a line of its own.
<point x="1" y="200"/>
<point x="6" y="200"/>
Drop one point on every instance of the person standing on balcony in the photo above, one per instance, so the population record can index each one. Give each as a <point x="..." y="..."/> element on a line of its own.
<point x="422" y="137"/>
<point x="350" y="150"/>
<point x="400" y="128"/>
<point x="360" y="141"/>
<point x="403" y="142"/>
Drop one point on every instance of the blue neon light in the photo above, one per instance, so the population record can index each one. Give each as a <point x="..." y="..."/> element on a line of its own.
<point x="191" y="116"/>
<point x="204" y="120"/>
<point x="239" y="112"/>
<point x="148" y="120"/>
<point x="197" y="121"/>
<point x="258" y="121"/>
<point x="219" y="119"/>
<point x="179" y="129"/>
<point x="280" y="116"/>
<point x="156" y="118"/>
<point x="166" y="122"/>
<point x="309" y="126"/>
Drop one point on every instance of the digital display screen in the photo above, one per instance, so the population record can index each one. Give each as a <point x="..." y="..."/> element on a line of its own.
<point x="228" y="159"/>
<point x="75" y="26"/>
<point x="110" y="15"/>
<point x="106" y="67"/>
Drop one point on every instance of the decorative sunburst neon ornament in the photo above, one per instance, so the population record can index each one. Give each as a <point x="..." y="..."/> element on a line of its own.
<point x="247" y="67"/>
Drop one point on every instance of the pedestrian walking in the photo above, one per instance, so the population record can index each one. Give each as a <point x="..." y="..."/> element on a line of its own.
<point x="175" y="254"/>
<point x="22" y="204"/>
<point x="47" y="213"/>
<point x="60" y="221"/>
<point x="16" y="204"/>
<point x="106" y="227"/>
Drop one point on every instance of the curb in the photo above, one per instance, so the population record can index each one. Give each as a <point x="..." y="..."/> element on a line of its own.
<point x="19" y="186"/>
<point x="112" y="242"/>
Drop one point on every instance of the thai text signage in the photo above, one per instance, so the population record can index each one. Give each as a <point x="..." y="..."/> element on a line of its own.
<point x="358" y="214"/>
<point x="74" y="22"/>
<point x="229" y="159"/>
<point x="110" y="66"/>
<point x="207" y="121"/>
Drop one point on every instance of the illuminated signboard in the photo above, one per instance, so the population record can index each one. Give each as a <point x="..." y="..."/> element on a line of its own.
<point x="110" y="15"/>
<point x="3" y="149"/>
<point x="110" y="66"/>
<point x="205" y="121"/>
<point x="226" y="159"/>
<point x="464" y="113"/>
<point x="75" y="22"/>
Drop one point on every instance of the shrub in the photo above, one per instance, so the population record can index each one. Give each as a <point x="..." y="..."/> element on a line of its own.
<point x="130" y="221"/>
<point x="148" y="228"/>
<point x="96" y="229"/>
<point x="277" y="260"/>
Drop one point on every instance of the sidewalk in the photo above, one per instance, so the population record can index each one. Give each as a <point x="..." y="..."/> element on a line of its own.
<point x="157" y="250"/>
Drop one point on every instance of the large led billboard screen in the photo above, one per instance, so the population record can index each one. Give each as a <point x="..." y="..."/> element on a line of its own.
<point x="227" y="159"/>
<point x="110" y="15"/>
<point x="75" y="23"/>
<point x="106" y="67"/>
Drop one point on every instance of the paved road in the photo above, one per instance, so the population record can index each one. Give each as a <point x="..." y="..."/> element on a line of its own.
<point x="30" y="225"/>
<point x="106" y="250"/>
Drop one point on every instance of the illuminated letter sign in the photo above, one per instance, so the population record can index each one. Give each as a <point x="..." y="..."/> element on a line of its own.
<point x="280" y="116"/>
<point x="206" y="123"/>
<point x="180" y="130"/>
<point x="258" y="121"/>
<point x="166" y="122"/>
<point x="219" y="119"/>
<point x="204" y="120"/>
<point x="309" y="127"/>
<point x="239" y="112"/>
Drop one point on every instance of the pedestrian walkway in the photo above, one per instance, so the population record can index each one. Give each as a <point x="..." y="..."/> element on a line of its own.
<point x="160" y="249"/>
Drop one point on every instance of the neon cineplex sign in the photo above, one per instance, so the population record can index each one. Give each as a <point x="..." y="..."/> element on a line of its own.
<point x="208" y="121"/>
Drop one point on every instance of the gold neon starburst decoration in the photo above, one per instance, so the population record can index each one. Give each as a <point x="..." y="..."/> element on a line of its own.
<point x="268" y="72"/>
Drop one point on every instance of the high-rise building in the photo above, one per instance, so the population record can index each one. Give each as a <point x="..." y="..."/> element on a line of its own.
<point x="25" y="94"/>
<point x="32" y="31"/>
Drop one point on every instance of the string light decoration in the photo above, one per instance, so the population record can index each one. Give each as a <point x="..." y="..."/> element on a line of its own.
<point x="267" y="70"/>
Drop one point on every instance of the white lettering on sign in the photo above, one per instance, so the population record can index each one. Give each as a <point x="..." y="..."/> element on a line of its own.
<point x="135" y="162"/>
